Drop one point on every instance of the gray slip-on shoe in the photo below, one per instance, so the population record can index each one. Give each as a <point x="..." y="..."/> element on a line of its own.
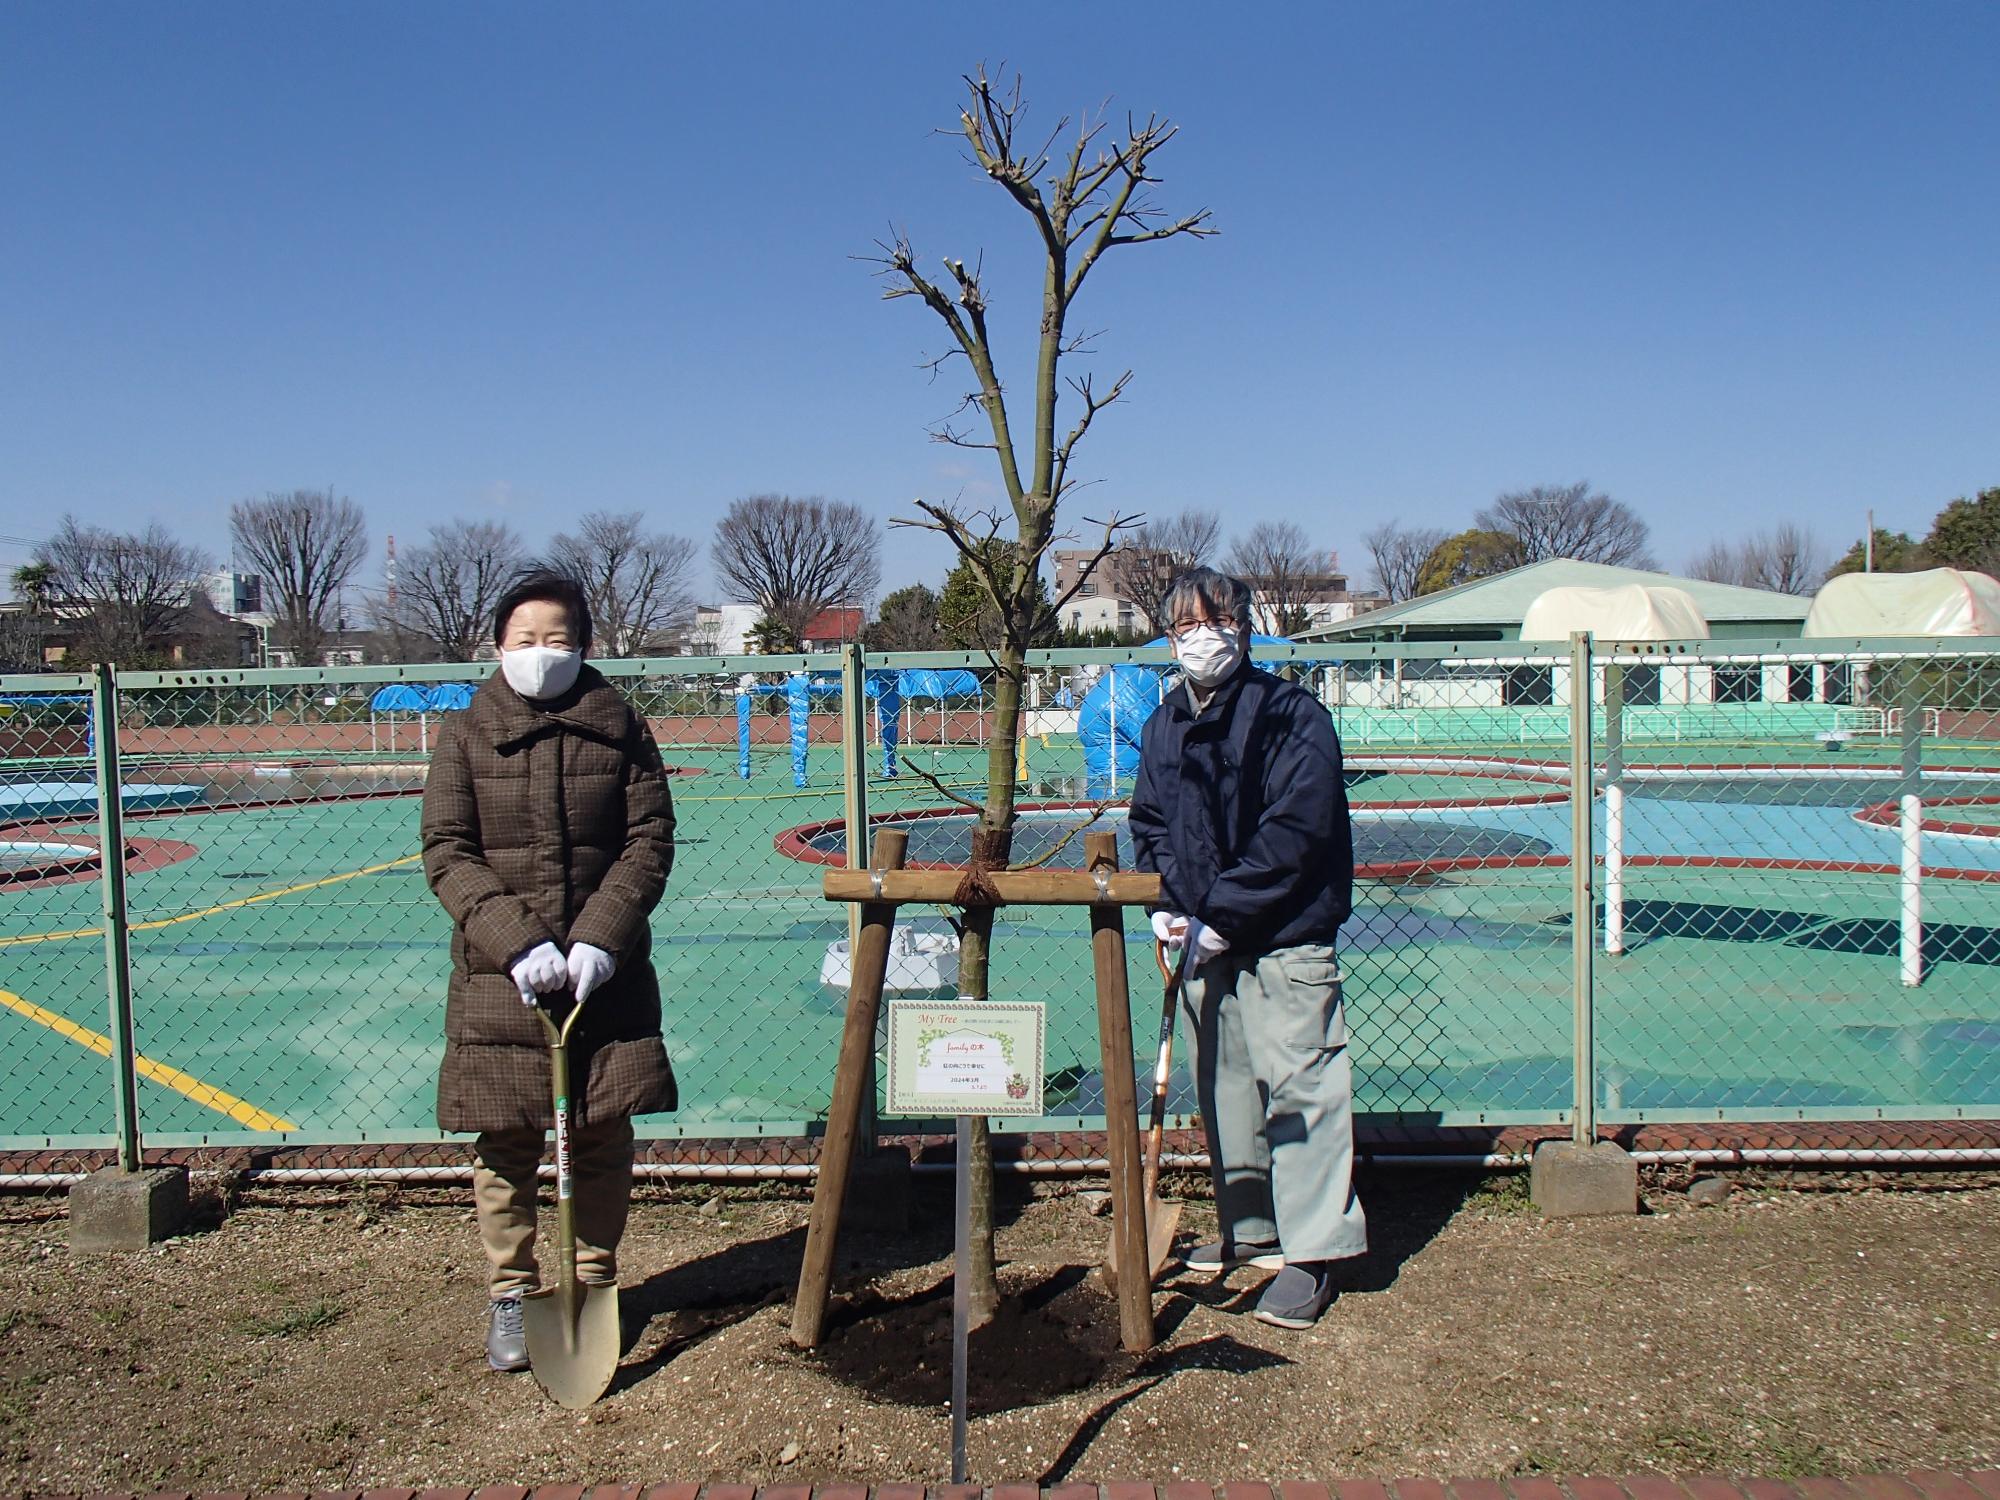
<point x="1223" y="1255"/>
<point x="1296" y="1296"/>
<point x="506" y="1335"/>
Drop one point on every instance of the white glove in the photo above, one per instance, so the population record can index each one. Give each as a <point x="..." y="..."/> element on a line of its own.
<point x="1207" y="941"/>
<point x="1169" y="929"/>
<point x="538" y="971"/>
<point x="588" y="968"/>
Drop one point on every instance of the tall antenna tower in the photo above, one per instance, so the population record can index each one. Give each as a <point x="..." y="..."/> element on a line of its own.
<point x="389" y="574"/>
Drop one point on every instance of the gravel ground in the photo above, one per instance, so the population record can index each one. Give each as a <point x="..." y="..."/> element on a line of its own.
<point x="333" y="1342"/>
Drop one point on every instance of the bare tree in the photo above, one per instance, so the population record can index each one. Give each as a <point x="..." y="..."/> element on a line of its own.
<point x="1286" y="573"/>
<point x="637" y="582"/>
<point x="1155" y="553"/>
<point x="1718" y="562"/>
<point x="1399" y="557"/>
<point x="1093" y="197"/>
<point x="796" y="557"/>
<point x="1551" y="521"/>
<point x="447" y="588"/>
<point x="121" y="594"/>
<point x="1787" y="558"/>
<point x="305" y="547"/>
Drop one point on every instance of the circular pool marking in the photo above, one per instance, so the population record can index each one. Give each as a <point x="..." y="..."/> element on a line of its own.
<point x="77" y="859"/>
<point x="1890" y="815"/>
<point x="32" y="859"/>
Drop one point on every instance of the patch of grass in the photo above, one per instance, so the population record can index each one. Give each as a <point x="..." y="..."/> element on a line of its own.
<point x="1504" y="1193"/>
<point x="1796" y="1458"/>
<point x="339" y="1430"/>
<point x="1681" y="1451"/>
<point x="301" y="1321"/>
<point x="113" y="1314"/>
<point x="10" y="1319"/>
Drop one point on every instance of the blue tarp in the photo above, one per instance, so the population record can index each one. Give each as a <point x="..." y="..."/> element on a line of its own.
<point x="398" y="698"/>
<point x="1136" y="691"/>
<point x="891" y="690"/>
<point x="799" y="691"/>
<point x="436" y="698"/>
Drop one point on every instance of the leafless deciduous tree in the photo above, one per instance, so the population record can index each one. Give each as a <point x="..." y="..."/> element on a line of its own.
<point x="1152" y="555"/>
<point x="305" y="546"/>
<point x="1285" y="573"/>
<point x="796" y="557"/>
<point x="637" y="582"/>
<point x="1569" y="520"/>
<point x="447" y="588"/>
<point x="120" y="594"/>
<point x="1788" y="559"/>
<point x="1084" y="200"/>
<point x="1399" y="557"/>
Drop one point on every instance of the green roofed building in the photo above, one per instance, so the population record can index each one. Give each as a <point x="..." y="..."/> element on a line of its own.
<point x="1490" y="609"/>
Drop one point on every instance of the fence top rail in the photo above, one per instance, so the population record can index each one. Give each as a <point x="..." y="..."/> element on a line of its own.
<point x="1775" y="650"/>
<point x="36" y="683"/>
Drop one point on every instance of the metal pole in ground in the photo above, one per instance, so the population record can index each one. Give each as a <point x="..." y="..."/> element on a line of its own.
<point x="117" y="940"/>
<point x="961" y="1297"/>
<point x="1614" y="806"/>
<point x="1583" y="911"/>
<point x="1910" y="804"/>
<point x="854" y="778"/>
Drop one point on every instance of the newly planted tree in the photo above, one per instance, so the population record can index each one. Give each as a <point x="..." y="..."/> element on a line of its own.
<point x="1088" y="198"/>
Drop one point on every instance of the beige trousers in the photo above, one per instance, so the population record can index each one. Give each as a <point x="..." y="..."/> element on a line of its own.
<point x="504" y="1192"/>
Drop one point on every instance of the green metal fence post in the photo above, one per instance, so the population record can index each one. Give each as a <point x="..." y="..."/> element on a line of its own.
<point x="1583" y="910"/>
<point x="854" y="768"/>
<point x="117" y="949"/>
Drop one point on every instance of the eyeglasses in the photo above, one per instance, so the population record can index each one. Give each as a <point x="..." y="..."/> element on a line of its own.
<point x="1179" y="628"/>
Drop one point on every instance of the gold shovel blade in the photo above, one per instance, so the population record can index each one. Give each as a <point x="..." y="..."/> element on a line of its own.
<point x="573" y="1358"/>
<point x="1163" y="1221"/>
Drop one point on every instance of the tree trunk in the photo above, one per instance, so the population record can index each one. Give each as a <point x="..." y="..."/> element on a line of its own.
<point x="996" y="822"/>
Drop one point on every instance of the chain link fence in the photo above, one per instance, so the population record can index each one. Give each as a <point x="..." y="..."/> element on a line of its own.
<point x="1794" y="917"/>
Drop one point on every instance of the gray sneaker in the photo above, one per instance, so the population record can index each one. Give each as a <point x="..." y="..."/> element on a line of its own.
<point x="1222" y="1255"/>
<point x="1296" y="1296"/>
<point x="506" y="1337"/>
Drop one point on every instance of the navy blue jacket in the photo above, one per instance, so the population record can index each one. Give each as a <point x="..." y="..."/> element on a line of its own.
<point x="1242" y="812"/>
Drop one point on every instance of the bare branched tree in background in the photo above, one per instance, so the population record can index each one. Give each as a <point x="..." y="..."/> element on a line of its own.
<point x="1285" y="573"/>
<point x="305" y="547"/>
<point x="796" y="557"/>
<point x="448" y="587"/>
<point x="1091" y="197"/>
<point x="121" y="594"/>
<point x="1399" y="557"/>
<point x="637" y="582"/>
<point x="1551" y="521"/>
<point x="1788" y="559"/>
<point x="1155" y="553"/>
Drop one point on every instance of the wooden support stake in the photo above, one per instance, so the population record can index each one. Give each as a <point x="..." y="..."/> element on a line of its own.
<point x="1121" y="1105"/>
<point x="868" y="971"/>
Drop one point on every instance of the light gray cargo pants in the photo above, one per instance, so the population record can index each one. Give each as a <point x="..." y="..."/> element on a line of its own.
<point x="1268" y="1044"/>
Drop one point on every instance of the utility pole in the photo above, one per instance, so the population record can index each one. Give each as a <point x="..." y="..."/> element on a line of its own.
<point x="1868" y="546"/>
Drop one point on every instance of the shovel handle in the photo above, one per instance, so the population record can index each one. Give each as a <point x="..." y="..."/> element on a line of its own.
<point x="1163" y="1066"/>
<point x="558" y="1036"/>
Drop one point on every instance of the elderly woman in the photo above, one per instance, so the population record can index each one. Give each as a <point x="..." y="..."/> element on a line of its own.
<point x="548" y="833"/>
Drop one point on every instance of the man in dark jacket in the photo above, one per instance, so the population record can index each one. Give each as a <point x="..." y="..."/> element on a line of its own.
<point x="548" y="832"/>
<point x="1241" y="809"/>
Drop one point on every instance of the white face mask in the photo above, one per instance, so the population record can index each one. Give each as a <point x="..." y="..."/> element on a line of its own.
<point x="540" y="671"/>
<point x="1209" y="653"/>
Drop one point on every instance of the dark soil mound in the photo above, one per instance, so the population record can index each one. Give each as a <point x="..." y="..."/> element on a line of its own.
<point x="1049" y="1338"/>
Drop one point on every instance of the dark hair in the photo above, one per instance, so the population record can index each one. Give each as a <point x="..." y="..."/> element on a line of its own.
<point x="550" y="587"/>
<point x="1216" y="592"/>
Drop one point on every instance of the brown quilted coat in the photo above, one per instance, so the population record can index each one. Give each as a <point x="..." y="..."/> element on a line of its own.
<point x="548" y="823"/>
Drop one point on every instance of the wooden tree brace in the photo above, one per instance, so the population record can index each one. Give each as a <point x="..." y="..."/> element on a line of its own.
<point x="881" y="889"/>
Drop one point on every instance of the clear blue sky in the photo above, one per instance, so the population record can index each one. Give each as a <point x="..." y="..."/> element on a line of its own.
<point x="1734" y="264"/>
